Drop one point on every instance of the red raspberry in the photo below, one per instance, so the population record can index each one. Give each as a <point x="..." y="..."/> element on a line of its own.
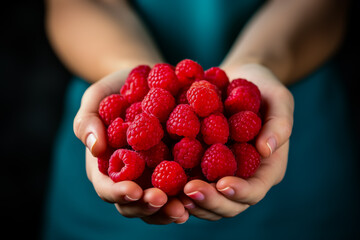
<point x="207" y="84"/>
<point x="103" y="161"/>
<point x="217" y="162"/>
<point x="132" y="111"/>
<point x="158" y="102"/>
<point x="215" y="129"/>
<point x="188" y="152"/>
<point x="144" y="132"/>
<point x="183" y="122"/>
<point x="247" y="158"/>
<point x="241" y="82"/>
<point x="125" y="164"/>
<point x="111" y="107"/>
<point x="244" y="126"/>
<point x="181" y="97"/>
<point x="170" y="177"/>
<point x="242" y="99"/>
<point x="218" y="77"/>
<point x="136" y="86"/>
<point x="156" y="154"/>
<point x="203" y="100"/>
<point x="187" y="71"/>
<point x="162" y="75"/>
<point x="116" y="133"/>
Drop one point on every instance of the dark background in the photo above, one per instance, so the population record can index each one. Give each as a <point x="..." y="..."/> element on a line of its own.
<point x="33" y="82"/>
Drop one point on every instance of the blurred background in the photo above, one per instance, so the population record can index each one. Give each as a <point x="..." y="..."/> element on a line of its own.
<point x="33" y="82"/>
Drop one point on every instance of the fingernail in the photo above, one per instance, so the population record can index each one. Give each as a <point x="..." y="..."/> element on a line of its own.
<point x="271" y="143"/>
<point x="189" y="205"/>
<point x="91" y="141"/>
<point x="129" y="199"/>
<point x="227" y="191"/>
<point x="196" y="195"/>
<point x="153" y="206"/>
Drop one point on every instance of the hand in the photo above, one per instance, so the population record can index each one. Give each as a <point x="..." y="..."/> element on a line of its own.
<point x="151" y="205"/>
<point x="232" y="195"/>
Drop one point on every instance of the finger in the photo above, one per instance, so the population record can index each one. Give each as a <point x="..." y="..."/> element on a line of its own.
<point x="207" y="197"/>
<point x="88" y="127"/>
<point x="278" y="121"/>
<point x="198" y="211"/>
<point x="153" y="199"/>
<point x="254" y="189"/>
<point x="121" y="192"/>
<point x="171" y="212"/>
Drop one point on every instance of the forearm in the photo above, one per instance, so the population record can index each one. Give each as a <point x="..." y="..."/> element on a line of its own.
<point x="95" y="38"/>
<point x="291" y="38"/>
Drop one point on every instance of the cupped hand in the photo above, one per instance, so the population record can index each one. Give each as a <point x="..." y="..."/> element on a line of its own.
<point x="151" y="205"/>
<point x="232" y="195"/>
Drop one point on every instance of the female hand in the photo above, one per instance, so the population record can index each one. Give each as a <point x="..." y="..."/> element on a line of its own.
<point x="232" y="195"/>
<point x="152" y="205"/>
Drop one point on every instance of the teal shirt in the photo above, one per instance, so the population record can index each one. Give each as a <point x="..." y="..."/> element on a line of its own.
<point x="317" y="198"/>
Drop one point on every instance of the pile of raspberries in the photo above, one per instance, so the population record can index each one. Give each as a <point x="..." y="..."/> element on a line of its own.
<point x="169" y="125"/>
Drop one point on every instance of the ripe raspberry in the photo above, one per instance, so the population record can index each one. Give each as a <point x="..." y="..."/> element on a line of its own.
<point x="244" y="126"/>
<point x="162" y="75"/>
<point x="215" y="129"/>
<point x="116" y="133"/>
<point x="207" y="84"/>
<point x="187" y="71"/>
<point x="218" y="77"/>
<point x="111" y="107"/>
<point x="217" y="162"/>
<point x="181" y="97"/>
<point x="156" y="154"/>
<point x="103" y="161"/>
<point x="125" y="164"/>
<point x="136" y="86"/>
<point x="144" y="181"/>
<point x="241" y="82"/>
<point x="183" y="122"/>
<point x="132" y="111"/>
<point x="188" y="152"/>
<point x="170" y="177"/>
<point x="242" y="99"/>
<point x="144" y="132"/>
<point x="247" y="158"/>
<point x="158" y="102"/>
<point x="203" y="100"/>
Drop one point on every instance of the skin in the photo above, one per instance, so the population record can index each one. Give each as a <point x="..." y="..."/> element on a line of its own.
<point x="102" y="41"/>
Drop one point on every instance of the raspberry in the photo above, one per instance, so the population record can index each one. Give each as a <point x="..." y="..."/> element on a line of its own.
<point x="187" y="71"/>
<point x="158" y="102"/>
<point x="183" y="122"/>
<point x="125" y="164"/>
<point x="241" y="82"/>
<point x="188" y="152"/>
<point x="241" y="99"/>
<point x="203" y="100"/>
<point x="181" y="97"/>
<point x="103" y="161"/>
<point x="218" y="161"/>
<point x="170" y="177"/>
<point x="218" y="77"/>
<point x="244" y="126"/>
<point x="116" y="133"/>
<point x="111" y="107"/>
<point x="207" y="84"/>
<point x="215" y="129"/>
<point x="132" y="111"/>
<point x="144" y="132"/>
<point x="162" y="75"/>
<point x="156" y="154"/>
<point x="136" y="86"/>
<point x="247" y="158"/>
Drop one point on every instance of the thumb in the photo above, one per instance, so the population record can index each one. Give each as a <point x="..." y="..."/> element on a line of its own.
<point x="88" y="126"/>
<point x="278" y="122"/>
